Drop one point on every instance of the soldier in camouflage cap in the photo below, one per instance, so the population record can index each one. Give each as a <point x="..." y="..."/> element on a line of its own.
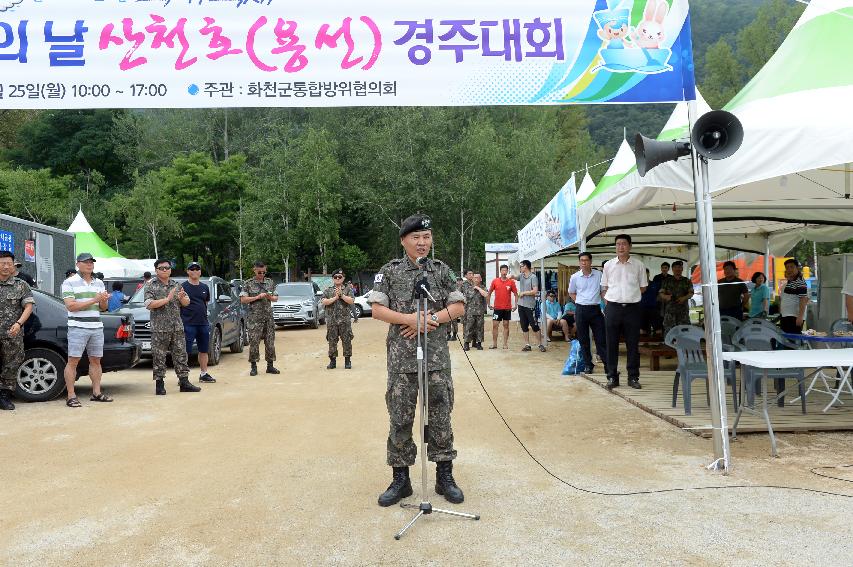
<point x="338" y="298"/>
<point x="259" y="293"/>
<point x="475" y="311"/>
<point x="16" y="305"/>
<point x="164" y="298"/>
<point x="393" y="302"/>
<point x="676" y="293"/>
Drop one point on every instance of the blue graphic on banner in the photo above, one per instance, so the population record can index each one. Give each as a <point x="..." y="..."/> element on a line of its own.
<point x="7" y="241"/>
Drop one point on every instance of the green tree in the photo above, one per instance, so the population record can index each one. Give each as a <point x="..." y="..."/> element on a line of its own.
<point x="149" y="212"/>
<point x="34" y="195"/>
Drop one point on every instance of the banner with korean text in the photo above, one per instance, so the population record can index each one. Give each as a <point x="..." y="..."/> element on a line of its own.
<point x="225" y="53"/>
<point x="553" y="229"/>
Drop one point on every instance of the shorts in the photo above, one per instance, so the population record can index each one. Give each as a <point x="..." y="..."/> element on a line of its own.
<point x="527" y="318"/>
<point x="568" y="318"/>
<point x="90" y="340"/>
<point x="502" y="315"/>
<point x="197" y="334"/>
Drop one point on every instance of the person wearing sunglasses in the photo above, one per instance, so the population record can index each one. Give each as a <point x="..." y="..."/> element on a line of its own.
<point x="194" y="315"/>
<point x="338" y="298"/>
<point x="259" y="294"/>
<point x="164" y="298"/>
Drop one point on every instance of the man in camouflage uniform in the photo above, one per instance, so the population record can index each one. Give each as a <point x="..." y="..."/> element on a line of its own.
<point x="475" y="311"/>
<point x="164" y="298"/>
<point x="676" y="292"/>
<point x="393" y="301"/>
<point x="338" y="298"/>
<point x="259" y="293"/>
<point x="16" y="305"/>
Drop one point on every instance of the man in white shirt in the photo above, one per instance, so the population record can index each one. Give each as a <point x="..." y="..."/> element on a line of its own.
<point x="847" y="291"/>
<point x="85" y="297"/>
<point x="623" y="282"/>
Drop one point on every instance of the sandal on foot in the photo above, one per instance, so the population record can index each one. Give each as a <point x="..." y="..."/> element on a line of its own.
<point x="73" y="403"/>
<point x="493" y="347"/>
<point x="102" y="397"/>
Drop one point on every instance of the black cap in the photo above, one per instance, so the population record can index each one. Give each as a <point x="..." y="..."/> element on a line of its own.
<point x="337" y="272"/>
<point x="192" y="265"/>
<point x="70" y="273"/>
<point x="18" y="264"/>
<point x="415" y="223"/>
<point x="85" y="256"/>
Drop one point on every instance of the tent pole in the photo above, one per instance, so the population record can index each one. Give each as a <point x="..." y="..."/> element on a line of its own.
<point x="544" y="323"/>
<point x="767" y="274"/>
<point x="713" y="336"/>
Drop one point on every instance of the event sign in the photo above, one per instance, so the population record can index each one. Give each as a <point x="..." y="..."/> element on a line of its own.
<point x="252" y="53"/>
<point x="29" y="250"/>
<point x="7" y="241"/>
<point x="554" y="228"/>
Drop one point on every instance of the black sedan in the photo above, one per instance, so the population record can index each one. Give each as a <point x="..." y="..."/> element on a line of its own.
<point x="41" y="376"/>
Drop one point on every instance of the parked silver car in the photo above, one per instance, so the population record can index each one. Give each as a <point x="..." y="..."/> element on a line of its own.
<point x="226" y="315"/>
<point x="298" y="304"/>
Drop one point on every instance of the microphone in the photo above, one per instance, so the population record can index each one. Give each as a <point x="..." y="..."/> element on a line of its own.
<point x="422" y="260"/>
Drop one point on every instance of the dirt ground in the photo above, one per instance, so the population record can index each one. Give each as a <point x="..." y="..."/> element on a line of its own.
<point x="285" y="470"/>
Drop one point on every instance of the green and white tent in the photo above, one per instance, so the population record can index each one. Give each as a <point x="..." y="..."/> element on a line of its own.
<point x="792" y="177"/>
<point x="107" y="260"/>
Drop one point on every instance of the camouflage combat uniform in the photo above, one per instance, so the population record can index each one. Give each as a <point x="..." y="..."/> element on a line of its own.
<point x="475" y="311"/>
<point x="14" y="295"/>
<point x="167" y="329"/>
<point x="338" y="322"/>
<point x="394" y="288"/>
<point x="675" y="314"/>
<point x="260" y="323"/>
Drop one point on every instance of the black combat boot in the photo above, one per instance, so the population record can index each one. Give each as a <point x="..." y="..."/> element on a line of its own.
<point x="348" y="363"/>
<point x="272" y="369"/>
<point x="467" y="346"/>
<point x="400" y="487"/>
<point x="332" y="363"/>
<point x="478" y="345"/>
<point x="445" y="485"/>
<point x="6" y="400"/>
<point x="159" y="388"/>
<point x="187" y="386"/>
<point x="254" y="370"/>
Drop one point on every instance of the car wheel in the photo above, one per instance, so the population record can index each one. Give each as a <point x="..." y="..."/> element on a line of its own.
<point x="357" y="311"/>
<point x="215" y="351"/>
<point x="315" y="323"/>
<point x="41" y="376"/>
<point x="237" y="345"/>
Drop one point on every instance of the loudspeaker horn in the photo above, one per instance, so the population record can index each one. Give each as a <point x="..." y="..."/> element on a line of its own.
<point x="651" y="153"/>
<point x="717" y="134"/>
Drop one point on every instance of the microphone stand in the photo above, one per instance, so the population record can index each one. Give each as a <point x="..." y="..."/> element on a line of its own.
<point x="421" y="291"/>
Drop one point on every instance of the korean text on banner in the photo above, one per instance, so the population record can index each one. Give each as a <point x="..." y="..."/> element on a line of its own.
<point x="553" y="229"/>
<point x="253" y="53"/>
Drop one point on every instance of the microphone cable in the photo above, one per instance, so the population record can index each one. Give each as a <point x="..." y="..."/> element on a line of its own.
<point x="639" y="492"/>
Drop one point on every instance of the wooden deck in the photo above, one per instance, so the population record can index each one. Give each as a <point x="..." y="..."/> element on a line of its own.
<point x="656" y="399"/>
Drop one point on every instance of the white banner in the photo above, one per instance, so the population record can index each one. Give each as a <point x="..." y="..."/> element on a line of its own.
<point x="554" y="228"/>
<point x="221" y="53"/>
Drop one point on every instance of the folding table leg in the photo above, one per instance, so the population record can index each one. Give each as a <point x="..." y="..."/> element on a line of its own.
<point x="773" y="451"/>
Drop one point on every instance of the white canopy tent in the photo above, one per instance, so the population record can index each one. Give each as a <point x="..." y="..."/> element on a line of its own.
<point x="791" y="179"/>
<point x="108" y="261"/>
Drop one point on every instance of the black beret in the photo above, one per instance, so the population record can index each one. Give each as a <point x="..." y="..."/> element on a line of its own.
<point x="415" y="223"/>
<point x="338" y="271"/>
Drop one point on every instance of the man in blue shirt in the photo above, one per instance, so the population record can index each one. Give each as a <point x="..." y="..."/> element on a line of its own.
<point x="194" y="316"/>
<point x="117" y="298"/>
<point x="553" y="316"/>
<point x="585" y="291"/>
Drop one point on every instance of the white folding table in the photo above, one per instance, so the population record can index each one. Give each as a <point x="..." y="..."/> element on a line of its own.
<point x="841" y="357"/>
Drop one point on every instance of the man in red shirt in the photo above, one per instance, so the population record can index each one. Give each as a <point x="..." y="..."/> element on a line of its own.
<point x="504" y="289"/>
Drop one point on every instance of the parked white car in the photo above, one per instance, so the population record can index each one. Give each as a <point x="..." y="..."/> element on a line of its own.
<point x="361" y="307"/>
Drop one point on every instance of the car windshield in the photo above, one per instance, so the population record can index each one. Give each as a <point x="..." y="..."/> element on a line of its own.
<point x="139" y="296"/>
<point x="295" y="290"/>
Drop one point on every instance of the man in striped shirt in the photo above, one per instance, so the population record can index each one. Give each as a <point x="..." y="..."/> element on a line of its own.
<point x="85" y="297"/>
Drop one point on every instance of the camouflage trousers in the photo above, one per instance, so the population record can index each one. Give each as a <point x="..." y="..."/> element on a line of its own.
<point x="474" y="326"/>
<point x="674" y="315"/>
<point x="342" y="331"/>
<point x="401" y="399"/>
<point x="11" y="358"/>
<point x="172" y="342"/>
<point x="263" y="329"/>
